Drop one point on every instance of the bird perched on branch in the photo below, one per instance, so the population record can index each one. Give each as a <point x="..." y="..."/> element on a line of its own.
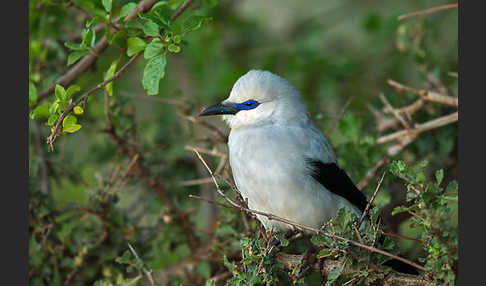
<point x="281" y="162"/>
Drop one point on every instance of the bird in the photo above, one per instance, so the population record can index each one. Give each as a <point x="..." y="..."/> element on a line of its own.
<point x="281" y="161"/>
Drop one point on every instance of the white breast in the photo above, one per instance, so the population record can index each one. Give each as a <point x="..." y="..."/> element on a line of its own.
<point x="269" y="168"/>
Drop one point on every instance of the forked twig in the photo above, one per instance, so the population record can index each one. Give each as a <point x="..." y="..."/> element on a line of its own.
<point x="147" y="273"/>
<point x="367" y="209"/>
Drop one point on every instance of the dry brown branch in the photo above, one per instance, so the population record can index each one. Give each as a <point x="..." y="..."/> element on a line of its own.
<point x="147" y="272"/>
<point x="419" y="128"/>
<point x="427" y="11"/>
<point x="426" y="95"/>
<point x="301" y="226"/>
<point x="290" y="261"/>
<point x="390" y="109"/>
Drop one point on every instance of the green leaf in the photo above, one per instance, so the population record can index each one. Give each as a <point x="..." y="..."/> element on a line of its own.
<point x="231" y="266"/>
<point x="194" y="22"/>
<point x="174" y="48"/>
<point x="318" y="240"/>
<point x="69" y="124"/>
<point x="126" y="9"/>
<point x="399" y="209"/>
<point x="334" y="274"/>
<point x="135" y="45"/>
<point x="74" y="46"/>
<point x="324" y="252"/>
<point x="107" y="5"/>
<point x="439" y="176"/>
<point x="74" y="56"/>
<point x="153" y="72"/>
<point x="110" y="73"/>
<point x="88" y="38"/>
<point x="150" y="28"/>
<point x="52" y="119"/>
<point x="32" y="93"/>
<point x="78" y="110"/>
<point x="40" y="112"/>
<point x="131" y="282"/>
<point x="177" y="39"/>
<point x="60" y="92"/>
<point x="153" y="49"/>
<point x="71" y="90"/>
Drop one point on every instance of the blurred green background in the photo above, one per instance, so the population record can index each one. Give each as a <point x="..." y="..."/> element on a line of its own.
<point x="337" y="53"/>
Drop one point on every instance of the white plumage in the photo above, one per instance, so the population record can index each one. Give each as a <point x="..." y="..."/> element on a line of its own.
<point x="271" y="147"/>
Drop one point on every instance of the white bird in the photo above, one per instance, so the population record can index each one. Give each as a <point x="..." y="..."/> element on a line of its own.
<point x="280" y="160"/>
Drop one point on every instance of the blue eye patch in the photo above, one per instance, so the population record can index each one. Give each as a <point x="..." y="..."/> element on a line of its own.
<point x="247" y="105"/>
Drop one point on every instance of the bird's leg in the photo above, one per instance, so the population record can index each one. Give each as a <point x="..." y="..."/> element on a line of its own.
<point x="310" y="257"/>
<point x="289" y="234"/>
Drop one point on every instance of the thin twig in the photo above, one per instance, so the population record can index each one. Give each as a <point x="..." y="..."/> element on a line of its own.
<point x="181" y="9"/>
<point x="147" y="273"/>
<point x="419" y="128"/>
<point x="396" y="235"/>
<point x="427" y="11"/>
<point x="367" y="209"/>
<point x="426" y="94"/>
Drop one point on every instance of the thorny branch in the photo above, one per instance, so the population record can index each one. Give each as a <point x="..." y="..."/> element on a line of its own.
<point x="403" y="117"/>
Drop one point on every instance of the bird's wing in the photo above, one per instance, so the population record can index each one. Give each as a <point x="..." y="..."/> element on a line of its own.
<point x="337" y="181"/>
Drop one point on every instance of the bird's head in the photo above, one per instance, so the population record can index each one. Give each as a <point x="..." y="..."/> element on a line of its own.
<point x="259" y="97"/>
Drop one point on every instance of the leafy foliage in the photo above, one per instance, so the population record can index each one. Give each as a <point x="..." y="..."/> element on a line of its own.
<point x="120" y="166"/>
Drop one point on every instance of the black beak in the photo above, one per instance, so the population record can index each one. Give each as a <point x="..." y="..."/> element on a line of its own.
<point x="219" y="109"/>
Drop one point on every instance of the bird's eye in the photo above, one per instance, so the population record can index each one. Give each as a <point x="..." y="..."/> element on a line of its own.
<point x="247" y="105"/>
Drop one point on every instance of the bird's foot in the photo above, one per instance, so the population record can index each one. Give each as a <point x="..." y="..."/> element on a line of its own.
<point x="309" y="259"/>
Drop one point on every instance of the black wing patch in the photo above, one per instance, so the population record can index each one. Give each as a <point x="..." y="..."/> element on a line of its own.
<point x="337" y="181"/>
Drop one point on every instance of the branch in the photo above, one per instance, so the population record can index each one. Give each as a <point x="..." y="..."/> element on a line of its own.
<point x="147" y="273"/>
<point x="290" y="261"/>
<point x="301" y="226"/>
<point x="419" y="128"/>
<point x="55" y="129"/>
<point x="89" y="59"/>
<point x="427" y="11"/>
<point x="425" y="94"/>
